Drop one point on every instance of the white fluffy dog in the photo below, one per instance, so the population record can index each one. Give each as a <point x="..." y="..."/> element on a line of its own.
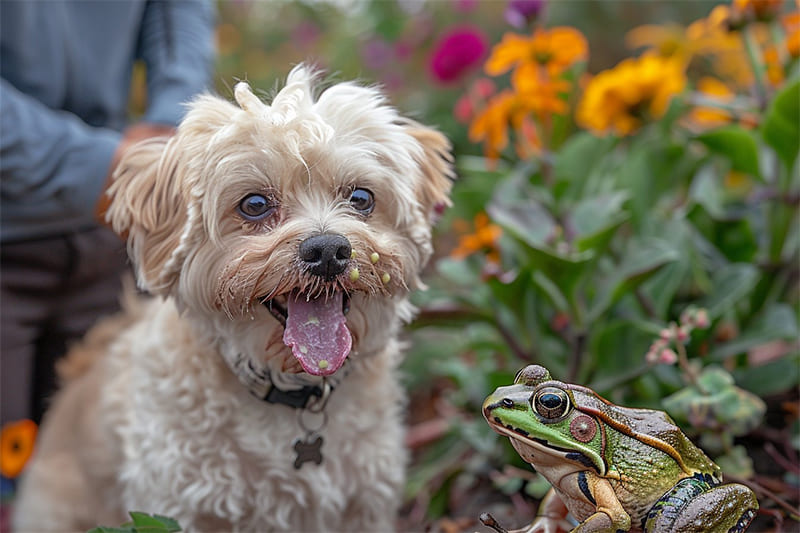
<point x="261" y="392"/>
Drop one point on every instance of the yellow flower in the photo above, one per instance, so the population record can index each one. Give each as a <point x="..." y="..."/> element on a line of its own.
<point x="484" y="238"/>
<point x="620" y="99"/>
<point x="667" y="41"/>
<point x="717" y="37"/>
<point x="710" y="116"/>
<point x="554" y="49"/>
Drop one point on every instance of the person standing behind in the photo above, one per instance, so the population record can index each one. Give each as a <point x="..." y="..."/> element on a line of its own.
<point x="66" y="70"/>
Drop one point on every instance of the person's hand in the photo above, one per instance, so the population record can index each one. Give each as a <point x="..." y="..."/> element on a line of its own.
<point x="131" y="136"/>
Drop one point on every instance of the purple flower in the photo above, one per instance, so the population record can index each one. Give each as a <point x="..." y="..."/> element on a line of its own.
<point x="520" y="13"/>
<point x="465" y="6"/>
<point x="376" y="54"/>
<point x="305" y="34"/>
<point x="457" y="52"/>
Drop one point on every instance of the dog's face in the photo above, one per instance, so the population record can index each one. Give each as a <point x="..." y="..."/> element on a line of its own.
<point x="293" y="230"/>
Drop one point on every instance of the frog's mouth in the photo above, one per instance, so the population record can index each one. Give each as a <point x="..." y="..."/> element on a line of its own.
<point x="541" y="446"/>
<point x="315" y="328"/>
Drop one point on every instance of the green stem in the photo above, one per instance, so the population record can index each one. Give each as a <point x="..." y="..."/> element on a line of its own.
<point x="576" y="357"/>
<point x="737" y="106"/>
<point x="757" y="65"/>
<point x="683" y="362"/>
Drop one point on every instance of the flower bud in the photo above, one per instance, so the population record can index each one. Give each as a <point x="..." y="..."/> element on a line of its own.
<point x="667" y="356"/>
<point x="521" y="13"/>
<point x="701" y="319"/>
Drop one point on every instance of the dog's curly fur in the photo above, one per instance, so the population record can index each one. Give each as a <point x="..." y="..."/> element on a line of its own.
<point x="164" y="420"/>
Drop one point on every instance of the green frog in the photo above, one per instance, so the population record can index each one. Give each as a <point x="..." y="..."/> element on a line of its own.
<point x="613" y="468"/>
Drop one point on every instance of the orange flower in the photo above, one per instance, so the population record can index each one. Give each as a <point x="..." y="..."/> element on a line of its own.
<point x="485" y="238"/>
<point x="757" y="9"/>
<point x="791" y="25"/>
<point x="542" y="95"/>
<point x="513" y="109"/>
<point x="555" y="49"/>
<point x="619" y="99"/>
<point x="16" y="446"/>
<point x="772" y="65"/>
<point x="491" y="125"/>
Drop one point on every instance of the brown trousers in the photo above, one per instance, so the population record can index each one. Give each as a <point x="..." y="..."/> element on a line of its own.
<point x="53" y="290"/>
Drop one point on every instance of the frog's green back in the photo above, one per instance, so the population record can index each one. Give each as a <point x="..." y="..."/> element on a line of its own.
<point x="646" y="424"/>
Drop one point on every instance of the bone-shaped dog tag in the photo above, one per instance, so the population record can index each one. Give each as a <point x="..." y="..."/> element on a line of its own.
<point x="308" y="450"/>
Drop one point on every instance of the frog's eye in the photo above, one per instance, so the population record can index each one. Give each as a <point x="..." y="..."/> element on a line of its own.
<point x="551" y="403"/>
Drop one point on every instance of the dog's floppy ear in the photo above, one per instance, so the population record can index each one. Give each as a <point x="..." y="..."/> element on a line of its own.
<point x="148" y="206"/>
<point x="433" y="192"/>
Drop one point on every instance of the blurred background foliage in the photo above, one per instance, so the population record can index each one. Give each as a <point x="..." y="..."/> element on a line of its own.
<point x="626" y="215"/>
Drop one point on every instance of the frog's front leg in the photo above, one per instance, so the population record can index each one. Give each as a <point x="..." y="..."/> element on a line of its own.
<point x="609" y="515"/>
<point x="551" y="518"/>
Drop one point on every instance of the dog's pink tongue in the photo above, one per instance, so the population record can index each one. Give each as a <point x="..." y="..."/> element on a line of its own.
<point x="317" y="334"/>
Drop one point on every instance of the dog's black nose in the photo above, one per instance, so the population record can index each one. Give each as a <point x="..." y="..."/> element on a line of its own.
<point x="325" y="255"/>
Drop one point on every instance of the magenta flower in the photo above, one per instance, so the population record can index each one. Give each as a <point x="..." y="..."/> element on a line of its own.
<point x="457" y="52"/>
<point x="520" y="13"/>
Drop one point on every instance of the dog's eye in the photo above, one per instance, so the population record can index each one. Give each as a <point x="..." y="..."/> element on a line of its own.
<point x="362" y="201"/>
<point x="255" y="207"/>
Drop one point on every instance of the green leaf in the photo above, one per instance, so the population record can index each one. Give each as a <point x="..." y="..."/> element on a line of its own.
<point x="706" y="191"/>
<point x="732" y="283"/>
<point x="778" y="322"/>
<point x="774" y="377"/>
<point x="578" y="159"/>
<point x="595" y="219"/>
<point x="143" y="522"/>
<point x="516" y="207"/>
<point x="737" y="145"/>
<point x="170" y="523"/>
<point x="714" y="402"/>
<point x="736" y="462"/>
<point x="641" y="261"/>
<point x="551" y="290"/>
<point x="781" y="126"/>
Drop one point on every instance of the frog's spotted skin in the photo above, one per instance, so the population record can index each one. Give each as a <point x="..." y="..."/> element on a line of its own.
<point x="614" y="468"/>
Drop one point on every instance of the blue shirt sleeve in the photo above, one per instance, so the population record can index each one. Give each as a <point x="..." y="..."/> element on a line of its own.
<point x="177" y="46"/>
<point x="51" y="154"/>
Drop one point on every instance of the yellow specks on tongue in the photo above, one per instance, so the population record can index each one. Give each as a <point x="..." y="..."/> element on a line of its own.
<point x="316" y="331"/>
